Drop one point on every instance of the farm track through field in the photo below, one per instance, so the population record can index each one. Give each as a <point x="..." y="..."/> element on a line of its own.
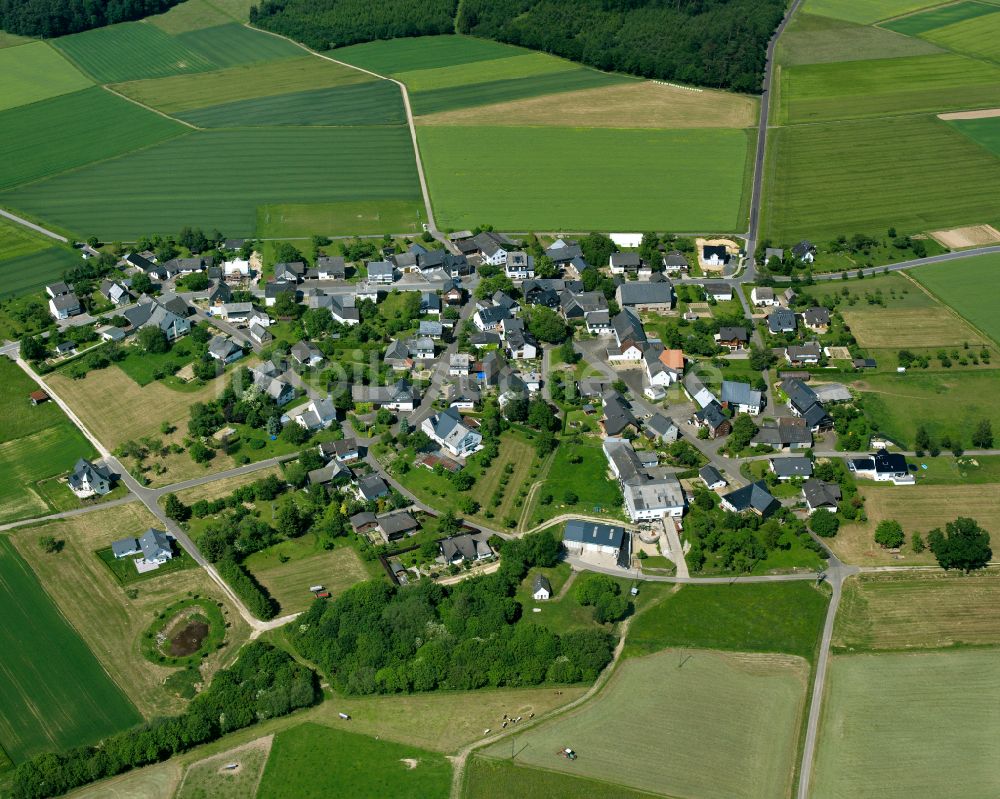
<point x="108" y="88"/>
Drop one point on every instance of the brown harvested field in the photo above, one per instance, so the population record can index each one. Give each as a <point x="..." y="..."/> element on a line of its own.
<point x="223" y="488"/>
<point x="152" y="782"/>
<point x="919" y="509"/>
<point x="918" y="609"/>
<point x="108" y="620"/>
<point x="972" y="236"/>
<point x="633" y="105"/>
<point x="875" y="326"/>
<point x="983" y="113"/>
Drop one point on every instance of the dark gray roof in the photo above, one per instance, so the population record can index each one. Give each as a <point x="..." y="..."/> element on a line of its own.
<point x="736" y="393"/>
<point x="710" y="475"/>
<point x="820" y="494"/>
<point x="541" y="582"/>
<point x="816" y="317"/>
<point x="628" y="327"/>
<point x="733" y="334"/>
<point x="646" y="293"/>
<point x="792" y="467"/>
<point x="753" y="497"/>
<point x="372" y="486"/>
<point x="585" y="532"/>
<point x="781" y="319"/>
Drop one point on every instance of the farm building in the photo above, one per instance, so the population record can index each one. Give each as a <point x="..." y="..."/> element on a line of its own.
<point x="542" y="588"/>
<point x="587" y="538"/>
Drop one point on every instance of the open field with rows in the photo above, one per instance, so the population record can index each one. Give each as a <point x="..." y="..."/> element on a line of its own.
<point x="695" y="701"/>
<point x="906" y="611"/>
<point x="231" y="44"/>
<point x="28" y="273"/>
<point x="968" y="287"/>
<point x="111" y="622"/>
<point x="187" y="92"/>
<point x="490" y="779"/>
<point x="314" y="761"/>
<point x="893" y="327"/>
<point x="918" y="510"/>
<point x="54" y="694"/>
<point x="608" y="179"/>
<point x="976" y="37"/>
<point x="192" y="15"/>
<point x="240" y="169"/>
<point x="388" y="57"/>
<point x="36" y="72"/>
<point x="812" y="39"/>
<point x="357" y="217"/>
<point x="867" y="12"/>
<point x="930" y="193"/>
<point x="903" y="726"/>
<point x="70" y="131"/>
<point x="938" y="17"/>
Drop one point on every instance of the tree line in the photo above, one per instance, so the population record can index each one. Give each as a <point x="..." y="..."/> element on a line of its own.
<point x="264" y="683"/>
<point x="719" y="43"/>
<point x="49" y="18"/>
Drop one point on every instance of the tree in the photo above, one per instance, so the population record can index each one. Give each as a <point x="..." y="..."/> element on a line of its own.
<point x="516" y="410"/>
<point x="824" y="523"/>
<point x="141" y="284"/>
<point x="448" y="524"/>
<point x="290" y="521"/>
<point x="982" y="436"/>
<point x="546" y="325"/>
<point x="285" y="305"/>
<point x="32" y="349"/>
<point x="889" y="534"/>
<point x="50" y="545"/>
<point x="964" y="545"/>
<point x="197" y="281"/>
<point x="922" y="439"/>
<point x="295" y="434"/>
<point x="917" y="542"/>
<point x="175" y="508"/>
<point x="153" y="340"/>
<point x="541" y="416"/>
<point x="743" y="431"/>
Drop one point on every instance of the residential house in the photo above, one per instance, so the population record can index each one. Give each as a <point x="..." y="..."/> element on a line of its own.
<point x="459" y="364"/>
<point x="454" y="296"/>
<point x="646" y="497"/>
<point x="219" y="295"/>
<point x="629" y="336"/>
<point x="593" y="538"/>
<point x="754" y="498"/>
<point x="617" y="414"/>
<point x="519" y="265"/>
<point x="541" y="588"/>
<point x="712" y="477"/>
<point x="733" y="338"/>
<point x="331" y="268"/>
<point x="625" y="263"/>
<point x="883" y="467"/>
<point x="467" y="547"/>
<point x="371" y="487"/>
<point x="134" y="260"/>
<point x="343" y="310"/>
<point x="662" y="428"/>
<point x="573" y="305"/>
<point x="450" y="432"/>
<point x="344" y="450"/>
<point x="393" y="526"/>
<point x="421" y="348"/>
<point x="115" y="292"/>
<point x="266" y="379"/>
<point x="656" y="297"/>
<point x="806" y="355"/>
<point x="430" y="303"/>
<point x="720" y="292"/>
<point x="804" y="251"/>
<point x="783" y="433"/>
<point x="662" y="371"/>
<point x="276" y="288"/>
<point x="505" y="301"/>
<point x="332" y="473"/>
<point x="65" y="348"/>
<point x="381" y="273"/>
<point x="787" y="468"/>
<point x="306" y="353"/>
<point x="293" y="272"/>
<point x="236" y="269"/>
<point x="712" y="418"/>
<point x="400" y="396"/>
<point x="492" y="247"/>
<point x="485" y="339"/>
<point x="773" y="256"/>
<point x="714" y="255"/>
<point x="90" y="479"/>
<point x="566" y="253"/>
<point x="236" y="313"/>
<point x="63" y="303"/>
<point x="148" y="312"/>
<point x="428" y="329"/>
<point x="154" y="545"/>
<point x="259" y="334"/>
<point x="781" y="320"/>
<point x="819" y="494"/>
<point x="675" y="261"/>
<point x="598" y="323"/>
<point x="487" y="319"/>
<point x="185" y="266"/>
<point x="224" y="350"/>
<point x="592" y="387"/>
<point x="520" y="344"/>
<point x="317" y="414"/>
<point x="816" y="319"/>
<point x="111" y="333"/>
<point x="763" y="296"/>
<point x="698" y="391"/>
<point x="741" y="398"/>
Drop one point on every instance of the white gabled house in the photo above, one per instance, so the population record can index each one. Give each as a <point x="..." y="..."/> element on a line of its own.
<point x="450" y="432"/>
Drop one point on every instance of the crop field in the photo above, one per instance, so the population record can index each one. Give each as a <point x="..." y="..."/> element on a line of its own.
<point x="179" y="93"/>
<point x="209" y="779"/>
<point x="509" y="67"/>
<point x="629" y="105"/>
<point x="976" y="37"/>
<point x="930" y="193"/>
<point x="12" y="40"/>
<point x="867" y="12"/>
<point x="191" y="15"/>
<point x="129" y="51"/>
<point x="873" y="326"/>
<point x="969" y="287"/>
<point x="906" y="611"/>
<point x="491" y="779"/>
<point x="945" y="402"/>
<point x="231" y="44"/>
<point x="28" y="273"/>
<point x="35" y="72"/>
<point x="308" y="564"/>
<point x="376" y="102"/>
<point x="54" y="693"/>
<point x="370" y="217"/>
<point x="902" y="726"/>
<point x="855" y="89"/>
<point x="938" y="17"/>
<point x="608" y="179"/>
<point x="695" y="701"/>
<point x="392" y="56"/>
<point x="812" y="39"/>
<point x="238" y="169"/>
<point x="17" y="241"/>
<point x="65" y="132"/>
<point x="90" y="597"/>
<point x="311" y="761"/>
<point x="918" y="510"/>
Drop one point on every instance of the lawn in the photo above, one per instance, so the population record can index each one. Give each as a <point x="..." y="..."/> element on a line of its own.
<point x="929" y="190"/>
<point x="142" y="366"/>
<point x="125" y="572"/>
<point x="308" y="564"/>
<point x="54" y="694"/>
<point x="374" y="102"/>
<point x="918" y="610"/>
<point x="867" y="12"/>
<point x="588" y="479"/>
<point x="918" y="510"/>
<point x="968" y="286"/>
<point x="26" y="274"/>
<point x="358" y="218"/>
<point x="491" y="779"/>
<point x="901" y="726"/>
<point x="107" y="618"/>
<point x="609" y="179"/>
<point x="61" y="133"/>
<point x="882" y="87"/>
<point x="314" y="762"/>
<point x="186" y="92"/>
<point x="235" y="170"/>
<point x="651" y="726"/>
<point x="392" y="56"/>
<point x="764" y="617"/>
<point x="35" y="72"/>
<point x="939" y="17"/>
<point x="812" y="39"/>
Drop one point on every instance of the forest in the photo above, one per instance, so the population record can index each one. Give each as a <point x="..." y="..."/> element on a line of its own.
<point x="717" y="43"/>
<point x="50" y="18"/>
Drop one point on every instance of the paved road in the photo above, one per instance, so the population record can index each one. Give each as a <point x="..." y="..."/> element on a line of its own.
<point x="37" y="228"/>
<point x="69" y="514"/>
<point x="930" y="259"/>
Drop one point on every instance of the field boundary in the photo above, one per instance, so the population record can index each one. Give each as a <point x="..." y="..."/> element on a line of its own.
<point x="951" y="310"/>
<point x="107" y="88"/>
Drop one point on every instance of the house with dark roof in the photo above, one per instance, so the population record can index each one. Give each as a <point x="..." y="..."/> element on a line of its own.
<point x="753" y="498"/>
<point x="821" y="495"/>
<point x="712" y="477"/>
<point x="276" y="288"/>
<point x="784" y="433"/>
<point x="115" y="292"/>
<point x="576" y="305"/>
<point x="563" y="253"/>
<point x="617" y="414"/>
<point x="395" y="525"/>
<point x="306" y="353"/>
<point x="732" y="338"/>
<point x="331" y="267"/>
<point x="63" y="303"/>
<point x="343" y="450"/>
<point x="468" y="547"/>
<point x="449" y="430"/>
<point x="224" y="350"/>
<point x="371" y="487"/>
<point x="787" y="468"/>
<point x="662" y="428"/>
<point x="806" y="355"/>
<point x="519" y="265"/>
<point x="883" y="467"/>
<point x="400" y="396"/>
<point x="714" y="255"/>
<point x="655" y="297"/>
<point x="675" y="261"/>
<point x="584" y="538"/>
<point x="492" y="247"/>
<point x="816" y="319"/>
<point x="629" y="336"/>
<point x="763" y="296"/>
<point x="330" y="474"/>
<point x="624" y="263"/>
<point x="381" y="273"/>
<point x="155" y="547"/>
<point x="741" y="397"/>
<point x="489" y="319"/>
<point x="90" y="479"/>
<point x="805" y="251"/>
<point x="541" y="588"/>
<point x="716" y="422"/>
<point x="718" y="291"/>
<point x="781" y="320"/>
<point x="292" y="272"/>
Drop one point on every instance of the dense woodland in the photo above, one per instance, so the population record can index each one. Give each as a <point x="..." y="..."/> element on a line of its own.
<point x="49" y="18"/>
<point x="719" y="43"/>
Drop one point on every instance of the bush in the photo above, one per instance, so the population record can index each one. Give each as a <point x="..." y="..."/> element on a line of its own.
<point x="824" y="523"/>
<point x="889" y="534"/>
<point x="252" y="593"/>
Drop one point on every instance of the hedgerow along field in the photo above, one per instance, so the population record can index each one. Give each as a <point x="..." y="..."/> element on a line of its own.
<point x="35" y="71"/>
<point x="315" y="761"/>
<point x="607" y="179"/>
<point x="900" y="726"/>
<point x="968" y="286"/>
<point x="65" y="132"/>
<point x="219" y="178"/>
<point x="54" y="694"/>
<point x="683" y="702"/>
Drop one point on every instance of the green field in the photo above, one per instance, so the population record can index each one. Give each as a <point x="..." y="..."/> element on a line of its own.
<point x="392" y="56"/>
<point x="908" y="726"/>
<point x="36" y="442"/>
<point x="130" y="51"/>
<point x="939" y="17"/>
<point x="491" y="779"/>
<point x="359" y="218"/>
<point x="602" y="495"/>
<point x="54" y="693"/>
<point x="507" y="67"/>
<point x="969" y="286"/>
<point x="608" y="179"/>
<point x="34" y="72"/>
<point x="187" y="92"/>
<point x="765" y="617"/>
<point x="189" y="16"/>
<point x="376" y="102"/>
<point x="232" y="44"/>
<point x="660" y="716"/>
<point x="17" y="240"/>
<point x="25" y="274"/>
<point x="65" y="132"/>
<point x="976" y="37"/>
<point x="930" y="193"/>
<point x="864" y="12"/>
<point x="315" y="762"/>
<point x="218" y="178"/>
<point x="855" y="89"/>
<point x="811" y="39"/>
